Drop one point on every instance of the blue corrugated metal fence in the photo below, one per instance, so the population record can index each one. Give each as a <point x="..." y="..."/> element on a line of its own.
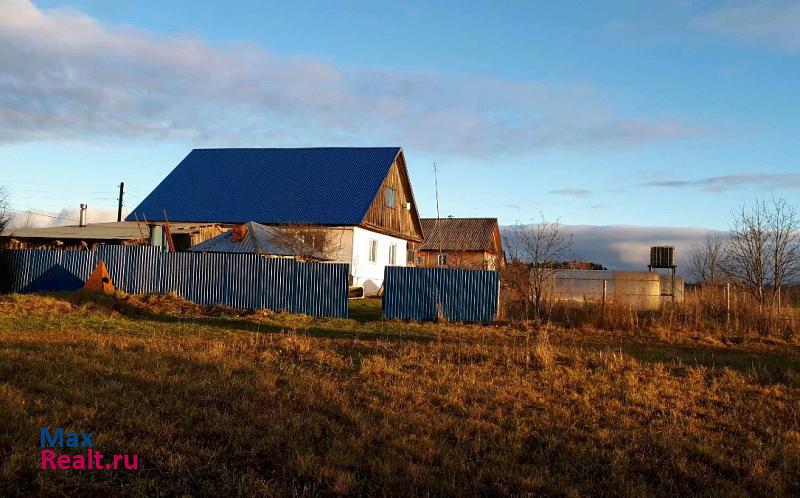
<point x="420" y="293"/>
<point x="236" y="280"/>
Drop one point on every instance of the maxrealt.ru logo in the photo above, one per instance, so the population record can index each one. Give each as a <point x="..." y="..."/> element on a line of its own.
<point x="91" y="459"/>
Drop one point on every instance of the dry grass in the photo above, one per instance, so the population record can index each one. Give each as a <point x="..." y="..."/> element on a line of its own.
<point x="704" y="311"/>
<point x="272" y="404"/>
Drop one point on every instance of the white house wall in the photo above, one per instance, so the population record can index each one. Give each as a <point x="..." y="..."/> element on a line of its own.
<point x="367" y="273"/>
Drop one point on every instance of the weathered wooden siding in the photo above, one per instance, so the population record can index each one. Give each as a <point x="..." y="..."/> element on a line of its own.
<point x="398" y="221"/>
<point x="476" y="260"/>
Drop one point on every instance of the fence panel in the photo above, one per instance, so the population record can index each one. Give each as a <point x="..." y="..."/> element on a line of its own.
<point x="50" y="270"/>
<point x="323" y="289"/>
<point x="423" y="293"/>
<point x="236" y="280"/>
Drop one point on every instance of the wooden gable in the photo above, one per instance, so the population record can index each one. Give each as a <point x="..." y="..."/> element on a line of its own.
<point x="397" y="221"/>
<point x="497" y="239"/>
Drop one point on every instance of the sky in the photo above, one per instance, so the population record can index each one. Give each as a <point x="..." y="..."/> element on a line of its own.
<point x="630" y="113"/>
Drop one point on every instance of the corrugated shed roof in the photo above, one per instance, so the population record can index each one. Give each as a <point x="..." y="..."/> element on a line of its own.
<point x="259" y="239"/>
<point x="459" y="234"/>
<point x="319" y="186"/>
<point x="123" y="230"/>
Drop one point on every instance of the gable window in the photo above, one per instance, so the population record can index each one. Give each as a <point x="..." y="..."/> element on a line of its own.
<point x="393" y="254"/>
<point x="373" y="250"/>
<point x="441" y="259"/>
<point x="391" y="197"/>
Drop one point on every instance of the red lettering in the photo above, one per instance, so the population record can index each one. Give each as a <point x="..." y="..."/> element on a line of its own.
<point x="48" y="458"/>
<point x="134" y="465"/>
<point x="117" y="458"/>
<point x="64" y="462"/>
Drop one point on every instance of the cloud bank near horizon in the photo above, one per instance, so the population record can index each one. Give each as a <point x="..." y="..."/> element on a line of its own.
<point x="67" y="76"/>
<point x="627" y="247"/>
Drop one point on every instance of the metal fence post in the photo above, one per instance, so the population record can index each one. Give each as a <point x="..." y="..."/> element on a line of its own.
<point x="727" y="303"/>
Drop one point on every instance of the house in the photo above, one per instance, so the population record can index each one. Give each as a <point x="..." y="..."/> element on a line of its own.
<point x="461" y="243"/>
<point x="356" y="201"/>
<point x="88" y="236"/>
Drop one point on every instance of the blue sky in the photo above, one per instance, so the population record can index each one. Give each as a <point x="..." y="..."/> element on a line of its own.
<point x="626" y="113"/>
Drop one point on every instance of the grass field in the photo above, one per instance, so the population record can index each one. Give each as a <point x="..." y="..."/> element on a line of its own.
<point x="271" y="404"/>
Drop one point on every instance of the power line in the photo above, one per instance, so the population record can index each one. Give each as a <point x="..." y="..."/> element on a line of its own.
<point x="41" y="214"/>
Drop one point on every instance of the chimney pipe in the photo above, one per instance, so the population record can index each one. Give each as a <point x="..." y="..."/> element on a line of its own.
<point x="82" y="222"/>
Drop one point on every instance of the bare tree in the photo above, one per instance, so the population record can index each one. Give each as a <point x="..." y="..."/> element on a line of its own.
<point x="706" y="260"/>
<point x="309" y="242"/>
<point x="748" y="255"/>
<point x="764" y="250"/>
<point x="5" y="218"/>
<point x="784" y="248"/>
<point x="533" y="253"/>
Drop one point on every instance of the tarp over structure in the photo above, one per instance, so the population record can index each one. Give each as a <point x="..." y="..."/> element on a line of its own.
<point x="257" y="239"/>
<point x="236" y="280"/>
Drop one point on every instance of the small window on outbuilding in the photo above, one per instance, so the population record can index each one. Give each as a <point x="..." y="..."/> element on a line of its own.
<point x="441" y="259"/>
<point x="393" y="254"/>
<point x="391" y="197"/>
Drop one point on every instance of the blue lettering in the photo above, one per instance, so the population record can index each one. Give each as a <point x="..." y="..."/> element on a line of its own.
<point x="52" y="441"/>
<point x="57" y="438"/>
<point x="87" y="439"/>
<point x="72" y="440"/>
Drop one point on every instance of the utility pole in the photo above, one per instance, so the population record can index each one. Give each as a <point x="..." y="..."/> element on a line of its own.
<point x="119" y="207"/>
<point x="436" y="224"/>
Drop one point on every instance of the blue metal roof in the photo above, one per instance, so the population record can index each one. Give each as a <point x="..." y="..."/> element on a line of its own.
<point x="320" y="186"/>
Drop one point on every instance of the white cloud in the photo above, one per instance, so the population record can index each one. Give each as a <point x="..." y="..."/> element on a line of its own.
<point x="578" y="193"/>
<point x="768" y="182"/>
<point x="773" y="23"/>
<point x="67" y="216"/>
<point x="67" y="76"/>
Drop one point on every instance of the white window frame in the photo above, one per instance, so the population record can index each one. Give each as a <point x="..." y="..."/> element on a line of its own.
<point x="393" y="254"/>
<point x="441" y="259"/>
<point x="372" y="251"/>
<point x="393" y="197"/>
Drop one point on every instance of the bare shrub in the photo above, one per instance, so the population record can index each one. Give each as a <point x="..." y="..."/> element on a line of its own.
<point x="5" y="218"/>
<point x="534" y="252"/>
<point x="707" y="259"/>
<point x="764" y="249"/>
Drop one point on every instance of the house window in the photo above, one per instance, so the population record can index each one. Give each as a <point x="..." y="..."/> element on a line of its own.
<point x="390" y="197"/>
<point x="373" y="250"/>
<point x="441" y="259"/>
<point x="393" y="254"/>
<point x="411" y="257"/>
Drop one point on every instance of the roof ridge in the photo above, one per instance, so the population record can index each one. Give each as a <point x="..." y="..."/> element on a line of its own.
<point x="342" y="147"/>
<point x="460" y="218"/>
